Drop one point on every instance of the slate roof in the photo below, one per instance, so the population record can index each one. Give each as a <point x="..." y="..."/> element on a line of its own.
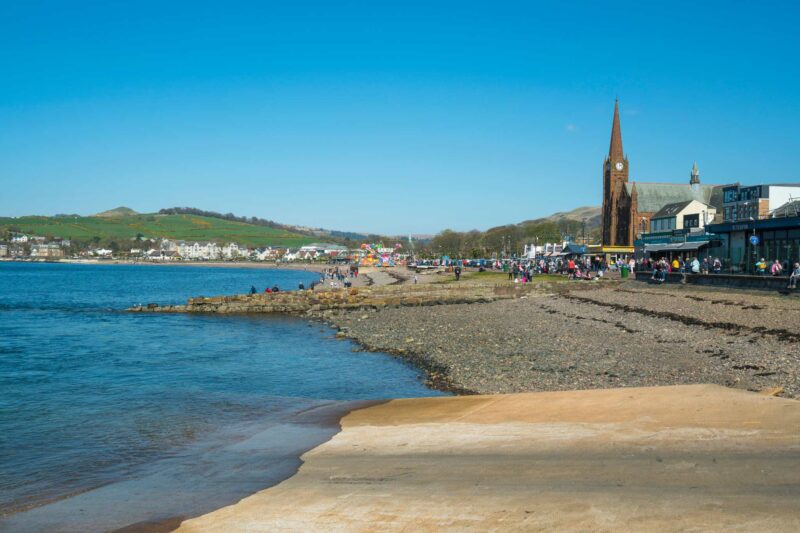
<point x="671" y="210"/>
<point x="789" y="209"/>
<point x="652" y="197"/>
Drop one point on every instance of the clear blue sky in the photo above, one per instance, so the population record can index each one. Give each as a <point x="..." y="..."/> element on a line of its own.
<point x="392" y="117"/>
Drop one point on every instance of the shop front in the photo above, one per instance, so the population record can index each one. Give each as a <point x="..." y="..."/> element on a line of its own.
<point x="680" y="244"/>
<point x="745" y="243"/>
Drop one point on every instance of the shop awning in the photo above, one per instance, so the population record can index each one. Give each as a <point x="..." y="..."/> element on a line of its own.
<point x="676" y="246"/>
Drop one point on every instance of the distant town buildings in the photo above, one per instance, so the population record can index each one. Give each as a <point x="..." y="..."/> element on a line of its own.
<point x="48" y="251"/>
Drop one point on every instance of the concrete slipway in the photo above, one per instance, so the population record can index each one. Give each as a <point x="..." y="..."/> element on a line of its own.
<point x="697" y="457"/>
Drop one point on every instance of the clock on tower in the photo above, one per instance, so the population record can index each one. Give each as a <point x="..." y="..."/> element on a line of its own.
<point x="616" y="211"/>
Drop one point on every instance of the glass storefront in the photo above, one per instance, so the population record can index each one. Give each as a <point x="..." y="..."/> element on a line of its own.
<point x="778" y="238"/>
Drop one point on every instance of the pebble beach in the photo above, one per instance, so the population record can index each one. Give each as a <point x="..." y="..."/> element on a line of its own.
<point x="592" y="336"/>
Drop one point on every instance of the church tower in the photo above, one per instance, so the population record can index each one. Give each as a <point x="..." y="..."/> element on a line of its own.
<point x="616" y="220"/>
<point x="694" y="179"/>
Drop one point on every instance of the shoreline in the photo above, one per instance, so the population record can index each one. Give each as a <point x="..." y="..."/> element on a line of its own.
<point x="653" y="458"/>
<point x="478" y="337"/>
<point x="85" y="510"/>
<point x="206" y="264"/>
<point x="578" y="338"/>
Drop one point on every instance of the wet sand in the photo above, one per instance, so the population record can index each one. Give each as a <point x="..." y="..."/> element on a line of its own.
<point x="216" y="472"/>
<point x="698" y="457"/>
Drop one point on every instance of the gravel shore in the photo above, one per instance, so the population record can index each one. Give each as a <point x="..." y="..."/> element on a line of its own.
<point x="585" y="336"/>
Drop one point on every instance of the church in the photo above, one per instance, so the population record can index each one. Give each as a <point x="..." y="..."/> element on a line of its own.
<point x="629" y="205"/>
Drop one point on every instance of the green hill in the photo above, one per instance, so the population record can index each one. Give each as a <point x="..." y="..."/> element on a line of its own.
<point x="118" y="212"/>
<point x="178" y="227"/>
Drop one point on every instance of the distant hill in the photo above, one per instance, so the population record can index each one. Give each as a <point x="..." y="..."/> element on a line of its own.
<point x="592" y="215"/>
<point x="118" y="212"/>
<point x="178" y="227"/>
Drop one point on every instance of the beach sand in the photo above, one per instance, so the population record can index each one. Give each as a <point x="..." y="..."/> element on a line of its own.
<point x="699" y="457"/>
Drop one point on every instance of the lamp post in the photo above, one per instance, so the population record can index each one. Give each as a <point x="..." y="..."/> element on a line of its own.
<point x="583" y="229"/>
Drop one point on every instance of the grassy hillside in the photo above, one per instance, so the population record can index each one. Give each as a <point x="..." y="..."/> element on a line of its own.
<point x="592" y="215"/>
<point x="180" y="227"/>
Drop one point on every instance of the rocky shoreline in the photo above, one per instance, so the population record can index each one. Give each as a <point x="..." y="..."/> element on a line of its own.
<point x="486" y="337"/>
<point x="593" y="338"/>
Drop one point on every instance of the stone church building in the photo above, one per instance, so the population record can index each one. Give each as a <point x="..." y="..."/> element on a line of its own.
<point x="628" y="205"/>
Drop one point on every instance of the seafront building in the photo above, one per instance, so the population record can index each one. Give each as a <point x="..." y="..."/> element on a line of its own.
<point x="48" y="251"/>
<point x="629" y="206"/>
<point x="759" y="221"/>
<point x="748" y="229"/>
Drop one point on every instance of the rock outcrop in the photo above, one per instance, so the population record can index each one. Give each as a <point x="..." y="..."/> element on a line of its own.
<point x="317" y="303"/>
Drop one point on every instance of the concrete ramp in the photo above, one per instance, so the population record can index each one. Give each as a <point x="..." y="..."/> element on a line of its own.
<point x="697" y="457"/>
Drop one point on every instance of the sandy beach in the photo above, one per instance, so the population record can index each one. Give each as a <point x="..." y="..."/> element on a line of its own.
<point x="698" y="457"/>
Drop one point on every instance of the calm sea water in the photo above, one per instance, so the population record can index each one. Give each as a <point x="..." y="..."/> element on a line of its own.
<point x="169" y="415"/>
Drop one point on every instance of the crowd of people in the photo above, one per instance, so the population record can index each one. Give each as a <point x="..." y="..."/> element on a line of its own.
<point x="663" y="266"/>
<point x="594" y="267"/>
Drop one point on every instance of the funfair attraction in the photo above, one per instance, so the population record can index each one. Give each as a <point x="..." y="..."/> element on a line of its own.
<point x="377" y="255"/>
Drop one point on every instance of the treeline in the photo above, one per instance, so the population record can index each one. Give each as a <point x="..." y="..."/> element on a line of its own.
<point x="505" y="240"/>
<point x="227" y="216"/>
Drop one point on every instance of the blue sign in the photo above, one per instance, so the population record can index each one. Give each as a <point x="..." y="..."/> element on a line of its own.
<point x="754" y="240"/>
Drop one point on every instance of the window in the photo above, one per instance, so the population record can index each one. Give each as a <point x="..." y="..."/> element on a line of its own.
<point x="691" y="221"/>
<point x="730" y="195"/>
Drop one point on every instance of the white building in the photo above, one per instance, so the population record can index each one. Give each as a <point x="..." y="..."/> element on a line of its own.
<point x="233" y="251"/>
<point x="691" y="215"/>
<point x="267" y="254"/>
<point x="291" y="254"/>
<point x="46" y="250"/>
<point x="204" y="251"/>
<point x="324" y="248"/>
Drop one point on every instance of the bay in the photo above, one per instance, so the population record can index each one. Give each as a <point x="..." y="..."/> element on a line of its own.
<point x="101" y="409"/>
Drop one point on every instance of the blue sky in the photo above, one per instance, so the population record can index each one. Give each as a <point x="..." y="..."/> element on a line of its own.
<point x="393" y="117"/>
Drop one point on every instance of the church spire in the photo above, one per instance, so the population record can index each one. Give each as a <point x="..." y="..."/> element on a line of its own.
<point x="615" y="150"/>
<point x="695" y="175"/>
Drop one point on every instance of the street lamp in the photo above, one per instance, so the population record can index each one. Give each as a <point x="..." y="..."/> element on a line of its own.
<point x="583" y="229"/>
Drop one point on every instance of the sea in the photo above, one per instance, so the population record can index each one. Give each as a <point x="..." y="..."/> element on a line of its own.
<point x="111" y="419"/>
